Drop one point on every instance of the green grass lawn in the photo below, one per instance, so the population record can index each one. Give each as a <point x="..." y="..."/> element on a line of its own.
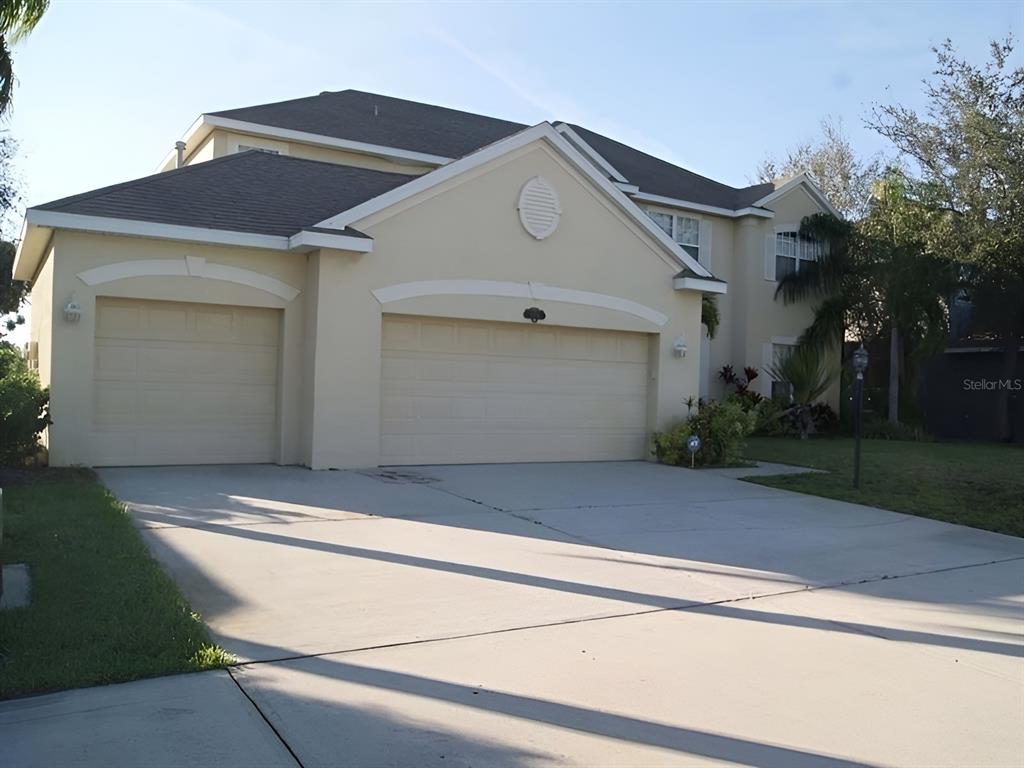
<point x="975" y="484"/>
<point x="103" y="611"/>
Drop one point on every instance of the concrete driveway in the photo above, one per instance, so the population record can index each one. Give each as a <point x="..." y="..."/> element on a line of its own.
<point x="607" y="614"/>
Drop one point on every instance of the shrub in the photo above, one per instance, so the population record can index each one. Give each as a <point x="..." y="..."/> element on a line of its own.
<point x="24" y="407"/>
<point x="722" y="429"/>
<point x="826" y="420"/>
<point x="773" y="419"/>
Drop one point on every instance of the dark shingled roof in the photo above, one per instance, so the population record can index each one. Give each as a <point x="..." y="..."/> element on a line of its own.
<point x="381" y="120"/>
<point x="252" y="191"/>
<point x="657" y="177"/>
<point x="410" y="125"/>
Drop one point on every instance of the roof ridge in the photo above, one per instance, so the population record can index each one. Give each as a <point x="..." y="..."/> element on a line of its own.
<point x="434" y="106"/>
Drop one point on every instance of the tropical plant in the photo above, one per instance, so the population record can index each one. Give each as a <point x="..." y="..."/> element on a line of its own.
<point x="873" y="279"/>
<point x="805" y="371"/>
<point x="744" y="394"/>
<point x="709" y="316"/>
<point x="17" y="19"/>
<point x="967" y="146"/>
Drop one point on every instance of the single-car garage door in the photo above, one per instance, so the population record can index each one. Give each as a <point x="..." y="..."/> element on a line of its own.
<point x="464" y="391"/>
<point x="184" y="383"/>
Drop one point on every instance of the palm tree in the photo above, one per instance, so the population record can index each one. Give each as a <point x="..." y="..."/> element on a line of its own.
<point x="17" y="19"/>
<point x="875" y="280"/>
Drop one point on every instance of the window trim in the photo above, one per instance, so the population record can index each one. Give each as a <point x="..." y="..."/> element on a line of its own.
<point x="650" y="212"/>
<point x="798" y="252"/>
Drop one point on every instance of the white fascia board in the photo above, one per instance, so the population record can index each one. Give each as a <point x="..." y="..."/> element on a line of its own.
<point x="306" y="240"/>
<point x="629" y="189"/>
<point x="674" y="202"/>
<point x="697" y="284"/>
<point x="801" y="179"/>
<point x="590" y="152"/>
<point x="31" y="246"/>
<point x="543" y="131"/>
<point x="193" y="137"/>
<point x="112" y="226"/>
<point x="304" y="137"/>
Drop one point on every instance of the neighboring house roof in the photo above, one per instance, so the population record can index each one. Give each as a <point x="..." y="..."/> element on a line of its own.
<point x="658" y="177"/>
<point x="255" y="192"/>
<point x="381" y="120"/>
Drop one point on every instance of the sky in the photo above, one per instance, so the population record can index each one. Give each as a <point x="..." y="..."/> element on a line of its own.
<point x="105" y="88"/>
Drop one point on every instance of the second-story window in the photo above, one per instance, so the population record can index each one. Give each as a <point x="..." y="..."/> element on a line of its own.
<point x="791" y="250"/>
<point x="685" y="230"/>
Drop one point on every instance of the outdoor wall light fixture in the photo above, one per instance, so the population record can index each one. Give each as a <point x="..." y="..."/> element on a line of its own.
<point x="679" y="347"/>
<point x="72" y="311"/>
<point x="533" y="314"/>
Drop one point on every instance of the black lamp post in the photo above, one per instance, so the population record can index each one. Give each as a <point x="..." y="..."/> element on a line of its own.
<point x="860" y="364"/>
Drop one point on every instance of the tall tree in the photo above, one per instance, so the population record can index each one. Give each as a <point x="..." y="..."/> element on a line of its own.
<point x="17" y="19"/>
<point x="968" y="147"/>
<point x="12" y="292"/>
<point x="844" y="177"/>
<point x="874" y="280"/>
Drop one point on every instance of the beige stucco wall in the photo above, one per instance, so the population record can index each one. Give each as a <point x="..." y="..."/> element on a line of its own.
<point x="466" y="228"/>
<point x="72" y="344"/>
<point x="755" y="316"/>
<point x="41" y="297"/>
<point x="221" y="142"/>
<point x="750" y="317"/>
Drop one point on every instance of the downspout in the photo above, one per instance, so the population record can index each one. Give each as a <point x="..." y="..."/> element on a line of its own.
<point x="179" y="147"/>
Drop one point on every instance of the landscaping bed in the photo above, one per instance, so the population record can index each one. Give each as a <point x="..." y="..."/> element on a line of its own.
<point x="975" y="484"/>
<point x="102" y="610"/>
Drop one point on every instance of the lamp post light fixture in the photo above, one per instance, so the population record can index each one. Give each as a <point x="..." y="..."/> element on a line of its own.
<point x="860" y="364"/>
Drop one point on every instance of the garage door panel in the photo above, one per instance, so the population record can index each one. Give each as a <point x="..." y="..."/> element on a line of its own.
<point x="468" y="391"/>
<point x="179" y="383"/>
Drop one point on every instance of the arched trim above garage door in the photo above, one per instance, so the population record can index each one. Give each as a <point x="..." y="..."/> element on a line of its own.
<point x="189" y="266"/>
<point x="538" y="291"/>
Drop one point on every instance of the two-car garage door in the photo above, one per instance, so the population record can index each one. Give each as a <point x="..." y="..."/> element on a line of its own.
<point x="179" y="383"/>
<point x="465" y="391"/>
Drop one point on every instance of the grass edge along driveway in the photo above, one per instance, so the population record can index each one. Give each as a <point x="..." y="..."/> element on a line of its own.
<point x="103" y="610"/>
<point x="976" y="484"/>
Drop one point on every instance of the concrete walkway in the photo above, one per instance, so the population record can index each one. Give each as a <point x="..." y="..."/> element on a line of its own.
<point x="555" y="615"/>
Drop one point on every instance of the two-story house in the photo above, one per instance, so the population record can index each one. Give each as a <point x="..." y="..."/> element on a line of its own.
<point x="353" y="280"/>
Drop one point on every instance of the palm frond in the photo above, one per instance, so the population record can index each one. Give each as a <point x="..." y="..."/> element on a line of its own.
<point x="806" y="372"/>
<point x="829" y="324"/>
<point x="19" y="17"/>
<point x="6" y="76"/>
<point x="832" y="270"/>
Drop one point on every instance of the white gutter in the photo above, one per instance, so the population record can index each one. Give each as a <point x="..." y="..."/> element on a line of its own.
<point x="728" y="213"/>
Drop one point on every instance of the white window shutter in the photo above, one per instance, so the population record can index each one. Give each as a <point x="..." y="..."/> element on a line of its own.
<point x="705" y="243"/>
<point x="769" y="257"/>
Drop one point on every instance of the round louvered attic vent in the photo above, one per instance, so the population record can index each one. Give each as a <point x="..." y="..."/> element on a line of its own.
<point x="539" y="210"/>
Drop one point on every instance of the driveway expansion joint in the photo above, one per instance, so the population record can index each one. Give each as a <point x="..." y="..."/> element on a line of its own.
<point x="263" y="716"/>
<point x="688" y="606"/>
